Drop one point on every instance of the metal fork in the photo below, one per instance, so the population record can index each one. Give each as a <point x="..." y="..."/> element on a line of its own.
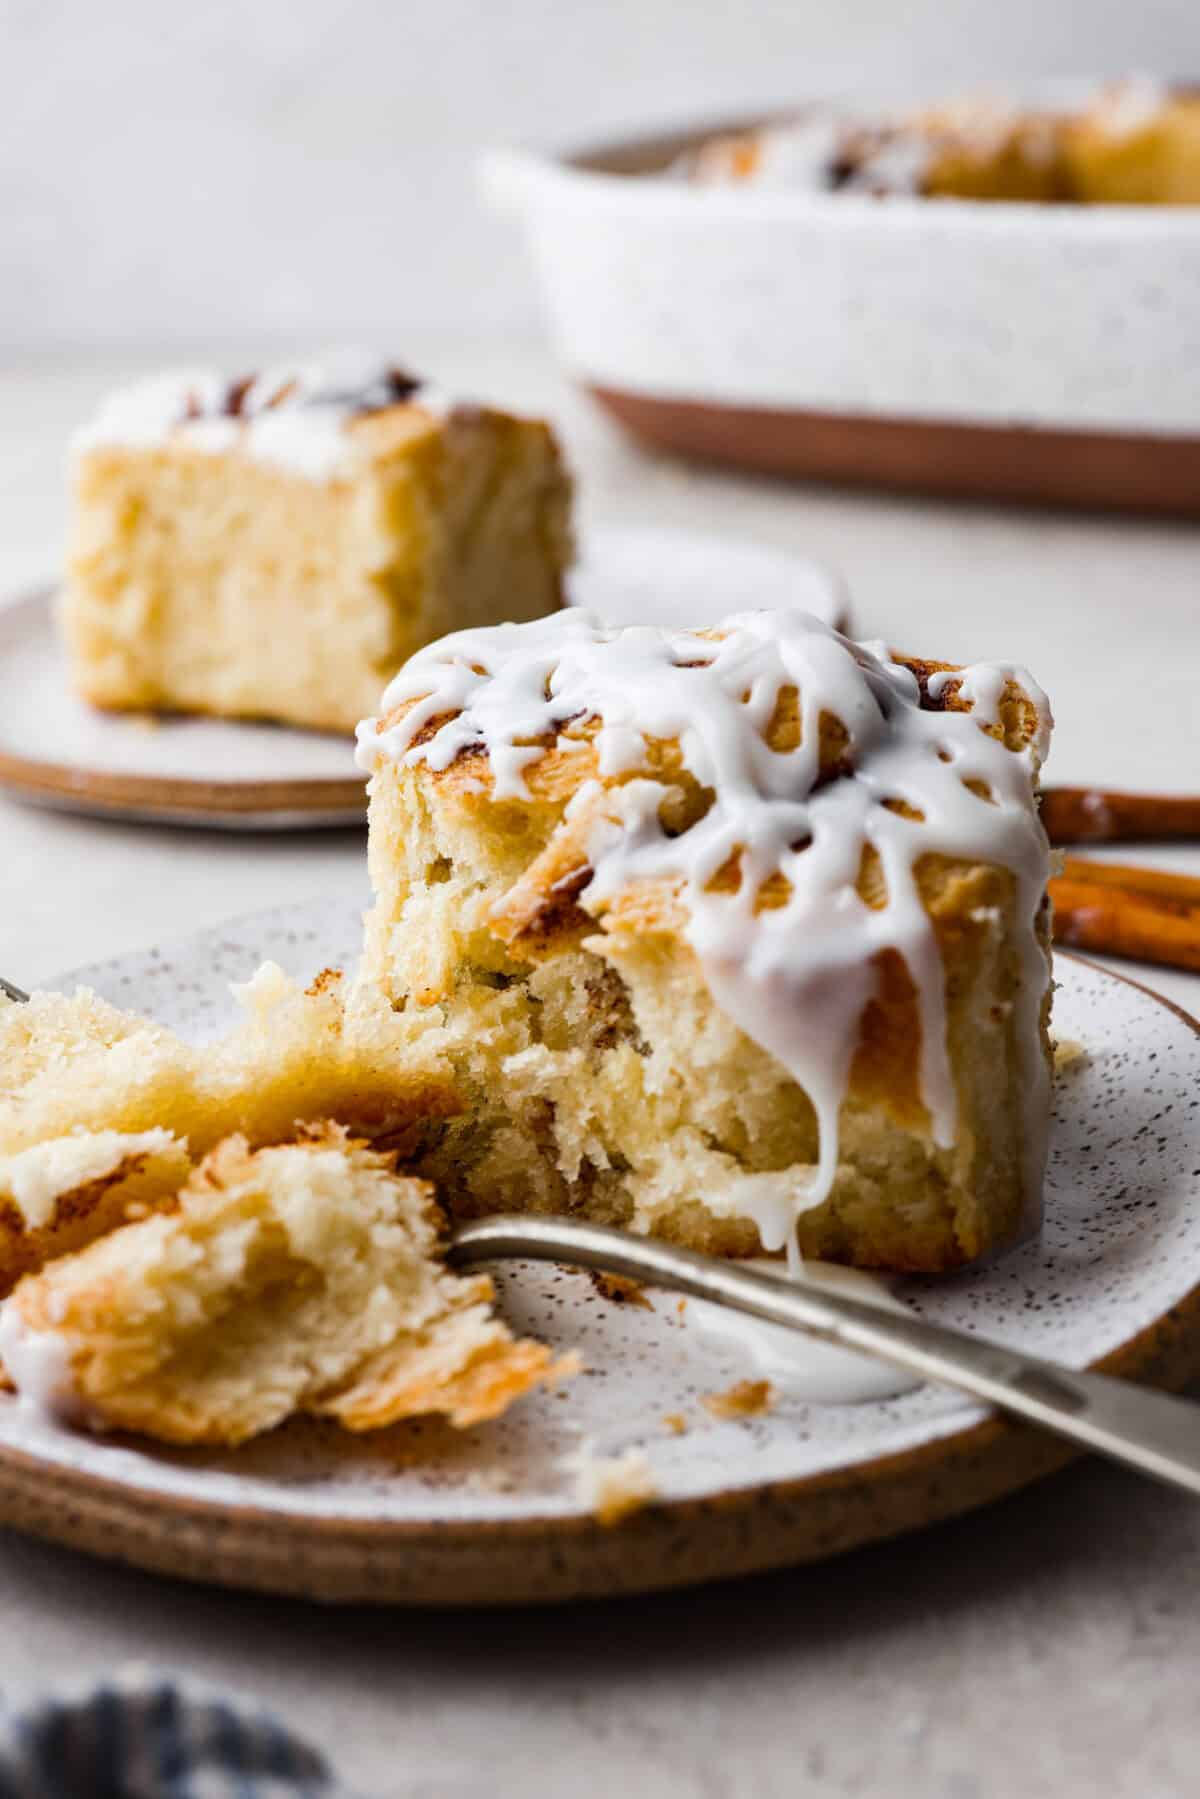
<point x="11" y="992"/>
<point x="1152" y="1432"/>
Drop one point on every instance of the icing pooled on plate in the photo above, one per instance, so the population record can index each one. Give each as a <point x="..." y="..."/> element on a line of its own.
<point x="38" y="1362"/>
<point x="797" y="1366"/>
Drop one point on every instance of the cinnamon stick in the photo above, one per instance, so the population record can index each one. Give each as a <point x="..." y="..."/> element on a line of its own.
<point x="1096" y="815"/>
<point x="1184" y="890"/>
<point x="1145" y="914"/>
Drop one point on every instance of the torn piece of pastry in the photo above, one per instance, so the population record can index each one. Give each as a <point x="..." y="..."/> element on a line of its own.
<point x="275" y="546"/>
<point x="738" y="936"/>
<point x="80" y="1078"/>
<point x="58" y="1195"/>
<point x="300" y="1278"/>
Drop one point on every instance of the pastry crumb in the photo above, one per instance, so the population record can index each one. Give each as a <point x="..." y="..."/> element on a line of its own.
<point x="618" y="1288"/>
<point x="613" y="1486"/>
<point x="745" y="1399"/>
<point x="676" y="1423"/>
<point x="564" y="1368"/>
<point x="328" y="980"/>
<point x="681" y="1307"/>
<point x="1070" y="1056"/>
<point x="303" y="1277"/>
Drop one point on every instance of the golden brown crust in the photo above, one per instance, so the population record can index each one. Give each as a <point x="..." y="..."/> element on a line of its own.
<point x="495" y="1373"/>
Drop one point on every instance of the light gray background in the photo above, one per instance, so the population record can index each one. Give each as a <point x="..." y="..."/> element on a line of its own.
<point x="301" y="168"/>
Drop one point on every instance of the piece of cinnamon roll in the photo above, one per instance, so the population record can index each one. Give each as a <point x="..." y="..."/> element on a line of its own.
<point x="737" y="936"/>
<point x="275" y="546"/>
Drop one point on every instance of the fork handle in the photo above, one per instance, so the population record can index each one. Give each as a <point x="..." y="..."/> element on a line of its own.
<point x="1153" y="1432"/>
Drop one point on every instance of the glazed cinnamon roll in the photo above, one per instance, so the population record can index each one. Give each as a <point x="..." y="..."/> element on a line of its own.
<point x="737" y="936"/>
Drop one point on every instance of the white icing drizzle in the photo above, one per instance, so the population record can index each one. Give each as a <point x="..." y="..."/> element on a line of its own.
<point x="34" y="1179"/>
<point x="797" y="1366"/>
<point x="898" y="163"/>
<point x="891" y="153"/>
<point x="802" y="155"/>
<point x="1128" y="106"/>
<point x="795" y="978"/>
<point x="39" y="1365"/>
<point x="820" y="153"/>
<point x="294" y="416"/>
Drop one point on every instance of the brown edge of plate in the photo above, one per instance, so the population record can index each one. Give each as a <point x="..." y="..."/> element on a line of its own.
<point x="551" y="1559"/>
<point x="166" y="796"/>
<point x="1111" y="471"/>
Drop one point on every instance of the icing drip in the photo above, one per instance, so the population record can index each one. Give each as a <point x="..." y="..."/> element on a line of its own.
<point x="894" y="162"/>
<point x="294" y="417"/>
<point x="34" y="1179"/>
<point x="39" y="1365"/>
<point x="796" y="976"/>
<point x="820" y="153"/>
<point x="1129" y="106"/>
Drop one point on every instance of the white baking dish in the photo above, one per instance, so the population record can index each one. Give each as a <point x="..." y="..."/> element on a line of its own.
<point x="1044" y="351"/>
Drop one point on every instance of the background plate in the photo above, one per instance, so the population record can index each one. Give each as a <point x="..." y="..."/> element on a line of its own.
<point x="423" y="1514"/>
<point x="59" y="752"/>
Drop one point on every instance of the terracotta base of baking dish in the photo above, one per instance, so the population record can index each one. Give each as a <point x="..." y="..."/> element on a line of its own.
<point x="1091" y="469"/>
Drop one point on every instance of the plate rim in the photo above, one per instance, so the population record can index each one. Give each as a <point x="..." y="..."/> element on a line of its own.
<point x="427" y="1560"/>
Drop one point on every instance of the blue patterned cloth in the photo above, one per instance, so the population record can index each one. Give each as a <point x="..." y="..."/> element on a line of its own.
<point x="148" y="1738"/>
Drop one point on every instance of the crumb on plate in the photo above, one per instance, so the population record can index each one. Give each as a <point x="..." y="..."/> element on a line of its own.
<point x="613" y="1486"/>
<point x="618" y="1288"/>
<point x="1070" y="1056"/>
<point x="745" y="1399"/>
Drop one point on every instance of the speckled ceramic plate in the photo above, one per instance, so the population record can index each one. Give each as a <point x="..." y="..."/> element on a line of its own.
<point x="424" y="1514"/>
<point x="56" y="751"/>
